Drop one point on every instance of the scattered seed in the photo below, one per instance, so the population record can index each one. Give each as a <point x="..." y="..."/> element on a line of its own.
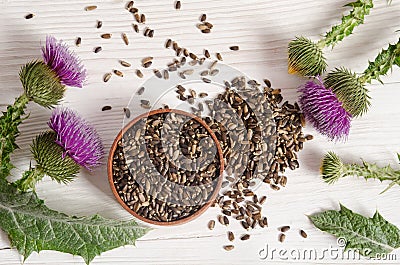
<point x="226" y="220"/>
<point x="209" y="25"/>
<point x="129" y="5"/>
<point x="193" y="56"/>
<point x="267" y="83"/>
<point x="214" y="72"/>
<point x="303" y="233"/>
<point x="147" y="59"/>
<point x="206" y="80"/>
<point x="202" y="26"/>
<point x="137" y="17"/>
<point x="78" y="41"/>
<point x="263" y="199"/>
<point x="213" y="65"/>
<point x="282" y="237"/>
<point x="145" y="102"/>
<point x="178" y="5"/>
<point x="99" y="24"/>
<point x="285" y="228"/>
<point x="127" y="112"/>
<point x="29" y="16"/>
<point x="106" y="35"/>
<point x="143" y="19"/>
<point x="125" y="38"/>
<point x="118" y="73"/>
<point x="219" y="56"/>
<point x="97" y="49"/>
<point x="165" y="74"/>
<point x="157" y="73"/>
<point x="139" y="73"/>
<point x="309" y="137"/>
<point x="207" y="54"/>
<point x="229" y="247"/>
<point x="140" y="91"/>
<point x="147" y="65"/>
<point x="231" y="236"/>
<point x="211" y="224"/>
<point x="203" y="17"/>
<point x="168" y="43"/>
<point x="206" y="31"/>
<point x="203" y="95"/>
<point x="151" y="33"/>
<point x="234" y="48"/>
<point x="245" y="237"/>
<point x="135" y="28"/>
<point x="124" y="63"/>
<point x="107" y="77"/>
<point x="145" y="106"/>
<point x="133" y="10"/>
<point x="105" y="108"/>
<point x="90" y="8"/>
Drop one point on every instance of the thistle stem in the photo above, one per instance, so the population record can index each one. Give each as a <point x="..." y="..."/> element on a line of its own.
<point x="9" y="123"/>
<point x="361" y="8"/>
<point x="382" y="64"/>
<point x="371" y="171"/>
<point x="29" y="179"/>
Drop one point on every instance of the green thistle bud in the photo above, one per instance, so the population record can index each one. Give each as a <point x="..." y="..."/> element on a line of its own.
<point x="41" y="84"/>
<point x="349" y="89"/>
<point x="305" y="57"/>
<point x="332" y="168"/>
<point x="50" y="161"/>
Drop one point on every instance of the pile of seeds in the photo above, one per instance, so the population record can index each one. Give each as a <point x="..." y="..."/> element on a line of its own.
<point x="271" y="136"/>
<point x="162" y="177"/>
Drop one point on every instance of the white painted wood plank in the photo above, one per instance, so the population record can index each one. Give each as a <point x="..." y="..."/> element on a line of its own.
<point x="262" y="29"/>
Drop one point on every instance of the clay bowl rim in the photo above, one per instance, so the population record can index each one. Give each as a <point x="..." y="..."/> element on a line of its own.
<point x="205" y="206"/>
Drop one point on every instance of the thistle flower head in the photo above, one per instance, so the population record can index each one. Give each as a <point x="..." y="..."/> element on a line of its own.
<point x="41" y="84"/>
<point x="49" y="157"/>
<point x="79" y="140"/>
<point x="65" y="63"/>
<point x="305" y="57"/>
<point x="349" y="89"/>
<point x="332" y="167"/>
<point x="324" y="111"/>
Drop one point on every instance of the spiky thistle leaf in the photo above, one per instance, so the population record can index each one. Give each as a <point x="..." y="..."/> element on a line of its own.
<point x="41" y="84"/>
<point x="33" y="227"/>
<point x="349" y="90"/>
<point x="9" y="131"/>
<point x="361" y="8"/>
<point x="305" y="57"/>
<point x="382" y="63"/>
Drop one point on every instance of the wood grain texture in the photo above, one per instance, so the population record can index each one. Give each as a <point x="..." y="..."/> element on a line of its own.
<point x="262" y="29"/>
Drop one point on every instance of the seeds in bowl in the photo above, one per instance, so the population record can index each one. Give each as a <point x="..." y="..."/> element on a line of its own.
<point x="166" y="168"/>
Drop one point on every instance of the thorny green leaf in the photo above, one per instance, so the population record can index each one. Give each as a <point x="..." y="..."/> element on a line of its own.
<point x="9" y="122"/>
<point x="370" y="236"/>
<point x="33" y="227"/>
<point x="361" y="8"/>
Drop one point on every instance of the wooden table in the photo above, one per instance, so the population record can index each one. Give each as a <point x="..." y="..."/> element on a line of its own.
<point x="262" y="29"/>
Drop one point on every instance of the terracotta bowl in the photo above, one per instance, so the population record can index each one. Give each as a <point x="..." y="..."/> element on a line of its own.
<point x="185" y="219"/>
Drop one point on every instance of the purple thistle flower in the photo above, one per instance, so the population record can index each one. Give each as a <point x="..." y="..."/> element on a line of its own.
<point x="324" y="111"/>
<point x="64" y="62"/>
<point x="79" y="140"/>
